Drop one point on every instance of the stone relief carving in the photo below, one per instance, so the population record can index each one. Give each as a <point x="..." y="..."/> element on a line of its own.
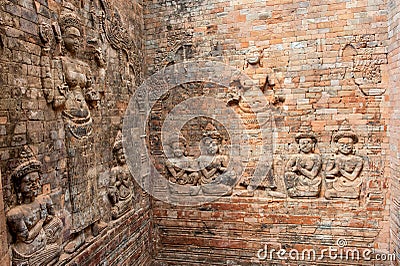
<point x="342" y="174"/>
<point x="33" y="223"/>
<point x="208" y="173"/>
<point x="366" y="60"/>
<point x="253" y="117"/>
<point x="77" y="94"/>
<point x="302" y="170"/>
<point x="213" y="163"/>
<point x="120" y="39"/>
<point x="183" y="169"/>
<point x="71" y="91"/>
<point x="120" y="190"/>
<point x="253" y="57"/>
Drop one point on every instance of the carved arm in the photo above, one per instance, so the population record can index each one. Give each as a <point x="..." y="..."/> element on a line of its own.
<point x="356" y="171"/>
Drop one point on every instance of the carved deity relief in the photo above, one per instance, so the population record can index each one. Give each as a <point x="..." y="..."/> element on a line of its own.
<point x="33" y="223"/>
<point x="119" y="38"/>
<point x="254" y="116"/>
<point x="183" y="169"/>
<point x="120" y="190"/>
<point x="213" y="164"/>
<point x="253" y="57"/>
<point x="302" y="170"/>
<point x="67" y="85"/>
<point x="208" y="173"/>
<point x="343" y="170"/>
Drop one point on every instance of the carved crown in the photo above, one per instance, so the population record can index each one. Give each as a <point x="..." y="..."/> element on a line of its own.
<point x="26" y="163"/>
<point x="118" y="142"/>
<point x="345" y="131"/>
<point x="213" y="135"/>
<point x="305" y="132"/>
<point x="68" y="20"/>
<point x="180" y="139"/>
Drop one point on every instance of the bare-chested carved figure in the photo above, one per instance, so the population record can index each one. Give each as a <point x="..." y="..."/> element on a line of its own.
<point x="33" y="223"/>
<point x="343" y="170"/>
<point x="302" y="170"/>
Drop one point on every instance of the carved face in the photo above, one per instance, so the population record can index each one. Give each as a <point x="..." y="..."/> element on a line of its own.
<point x="72" y="39"/>
<point x="345" y="145"/>
<point x="120" y="156"/>
<point x="253" y="56"/>
<point x="178" y="149"/>
<point x="213" y="147"/>
<point x="306" y="145"/>
<point x="30" y="185"/>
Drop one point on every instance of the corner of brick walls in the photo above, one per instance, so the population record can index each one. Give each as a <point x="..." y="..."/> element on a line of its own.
<point x="302" y="40"/>
<point x="26" y="118"/>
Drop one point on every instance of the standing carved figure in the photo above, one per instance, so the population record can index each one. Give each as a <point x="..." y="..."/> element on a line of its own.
<point x="301" y="175"/>
<point x="120" y="190"/>
<point x="35" y="229"/>
<point x="74" y="97"/>
<point x="343" y="170"/>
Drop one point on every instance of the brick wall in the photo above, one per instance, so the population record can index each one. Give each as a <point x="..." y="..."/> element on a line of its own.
<point x="4" y="256"/>
<point x="309" y="50"/>
<point x="393" y="55"/>
<point x="26" y="117"/>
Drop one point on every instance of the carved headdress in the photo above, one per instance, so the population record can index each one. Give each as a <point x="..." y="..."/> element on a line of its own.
<point x="118" y="142"/>
<point x="69" y="19"/>
<point x="26" y="163"/>
<point x="212" y="132"/>
<point x="180" y="139"/>
<point x="213" y="135"/>
<point x="305" y="132"/>
<point x="345" y="131"/>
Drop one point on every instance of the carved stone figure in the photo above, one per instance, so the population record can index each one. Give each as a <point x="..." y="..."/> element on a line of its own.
<point x="76" y="95"/>
<point x="35" y="229"/>
<point x="215" y="179"/>
<point x="343" y="170"/>
<point x="182" y="169"/>
<point x="120" y="190"/>
<point x="254" y="56"/>
<point x="301" y="172"/>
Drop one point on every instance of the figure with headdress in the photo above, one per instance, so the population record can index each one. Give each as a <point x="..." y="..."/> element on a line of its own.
<point x="76" y="93"/>
<point x="182" y="169"/>
<point x="302" y="170"/>
<point x="33" y="223"/>
<point x="75" y="96"/>
<point x="215" y="178"/>
<point x="120" y="190"/>
<point x="343" y="170"/>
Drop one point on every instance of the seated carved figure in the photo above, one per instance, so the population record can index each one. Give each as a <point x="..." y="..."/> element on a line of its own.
<point x="120" y="189"/>
<point x="301" y="175"/>
<point x="343" y="170"/>
<point x="181" y="168"/>
<point x="215" y="178"/>
<point x="35" y="228"/>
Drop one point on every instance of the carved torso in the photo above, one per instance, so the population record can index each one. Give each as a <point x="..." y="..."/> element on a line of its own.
<point x="122" y="182"/>
<point x="26" y="222"/>
<point x="75" y="74"/>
